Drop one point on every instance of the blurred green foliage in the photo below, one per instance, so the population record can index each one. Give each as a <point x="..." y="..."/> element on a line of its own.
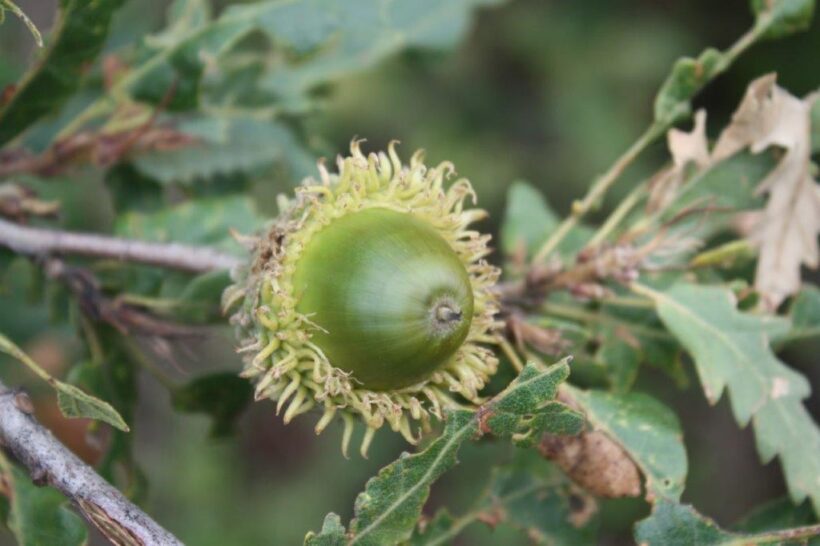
<point x="547" y="92"/>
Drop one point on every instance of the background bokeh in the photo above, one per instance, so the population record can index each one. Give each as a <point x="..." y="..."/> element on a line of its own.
<point x="544" y="91"/>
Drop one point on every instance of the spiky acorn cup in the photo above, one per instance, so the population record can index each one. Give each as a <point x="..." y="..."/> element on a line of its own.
<point x="370" y="297"/>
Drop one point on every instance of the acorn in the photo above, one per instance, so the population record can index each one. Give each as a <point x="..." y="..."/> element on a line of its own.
<point x="370" y="297"/>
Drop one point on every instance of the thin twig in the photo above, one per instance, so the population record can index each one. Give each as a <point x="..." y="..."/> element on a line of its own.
<point x="52" y="463"/>
<point x="127" y="319"/>
<point x="598" y="190"/>
<point x="781" y="536"/>
<point x="654" y="130"/>
<point x="37" y="242"/>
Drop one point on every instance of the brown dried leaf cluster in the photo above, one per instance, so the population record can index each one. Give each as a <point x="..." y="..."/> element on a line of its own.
<point x="786" y="231"/>
<point x="686" y="149"/>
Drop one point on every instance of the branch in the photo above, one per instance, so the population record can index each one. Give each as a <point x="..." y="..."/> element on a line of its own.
<point x="658" y="127"/>
<point x="50" y="462"/>
<point x="127" y="319"/>
<point x="37" y="241"/>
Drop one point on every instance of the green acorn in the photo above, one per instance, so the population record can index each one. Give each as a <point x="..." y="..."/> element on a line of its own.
<point x="370" y="297"/>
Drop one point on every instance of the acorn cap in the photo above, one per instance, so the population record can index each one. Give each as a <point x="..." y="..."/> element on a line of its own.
<point x="369" y="297"/>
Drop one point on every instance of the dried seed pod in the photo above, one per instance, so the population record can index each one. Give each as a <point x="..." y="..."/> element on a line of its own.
<point x="369" y="297"/>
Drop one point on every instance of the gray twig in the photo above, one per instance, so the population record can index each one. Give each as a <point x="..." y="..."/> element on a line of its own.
<point x="52" y="463"/>
<point x="37" y="242"/>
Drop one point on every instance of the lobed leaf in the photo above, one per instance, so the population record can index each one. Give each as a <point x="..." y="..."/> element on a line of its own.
<point x="731" y="350"/>
<point x="332" y="533"/>
<point x="391" y="503"/>
<point x="387" y="510"/>
<point x="785" y="232"/>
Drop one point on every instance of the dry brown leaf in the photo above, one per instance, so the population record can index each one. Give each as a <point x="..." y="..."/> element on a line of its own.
<point x="686" y="148"/>
<point x="786" y="231"/>
<point x="595" y="462"/>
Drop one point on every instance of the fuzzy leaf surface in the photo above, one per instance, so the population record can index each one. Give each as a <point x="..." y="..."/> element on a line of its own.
<point x="673" y="524"/>
<point x="387" y="510"/>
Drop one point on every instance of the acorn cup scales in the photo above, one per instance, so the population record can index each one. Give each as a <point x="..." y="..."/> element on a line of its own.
<point x="369" y="297"/>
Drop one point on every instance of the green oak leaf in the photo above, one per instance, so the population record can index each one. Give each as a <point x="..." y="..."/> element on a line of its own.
<point x="647" y="430"/>
<point x="391" y="503"/>
<point x="332" y="533"/>
<point x="731" y="350"/>
<point x="673" y="524"/>
<point x="387" y="510"/>
<point x="330" y="39"/>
